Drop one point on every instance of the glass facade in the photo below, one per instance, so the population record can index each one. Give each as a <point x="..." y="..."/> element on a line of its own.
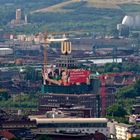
<point x="73" y="89"/>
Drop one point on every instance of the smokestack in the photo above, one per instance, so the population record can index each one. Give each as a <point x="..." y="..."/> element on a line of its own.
<point x="26" y="19"/>
<point x="18" y="15"/>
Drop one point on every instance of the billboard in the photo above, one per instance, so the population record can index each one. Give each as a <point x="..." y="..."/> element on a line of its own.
<point x="78" y="76"/>
<point x="65" y="76"/>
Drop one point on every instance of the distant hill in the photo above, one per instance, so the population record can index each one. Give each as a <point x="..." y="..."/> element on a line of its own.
<point x="56" y="7"/>
<point x="68" y="15"/>
<point x="60" y="7"/>
<point x="91" y="15"/>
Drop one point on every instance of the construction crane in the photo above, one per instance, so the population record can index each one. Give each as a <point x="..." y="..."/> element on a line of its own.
<point x="45" y="49"/>
<point x="103" y="78"/>
<point x="47" y="41"/>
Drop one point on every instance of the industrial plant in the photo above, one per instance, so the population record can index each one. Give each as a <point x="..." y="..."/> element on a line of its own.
<point x="18" y="21"/>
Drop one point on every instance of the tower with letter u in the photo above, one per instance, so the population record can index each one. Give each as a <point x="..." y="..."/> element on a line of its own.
<point x="66" y="47"/>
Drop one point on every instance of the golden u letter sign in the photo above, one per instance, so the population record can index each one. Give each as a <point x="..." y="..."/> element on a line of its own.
<point x="66" y="47"/>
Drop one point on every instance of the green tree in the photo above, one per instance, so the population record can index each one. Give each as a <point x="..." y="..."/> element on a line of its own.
<point x="44" y="137"/>
<point x="137" y="87"/>
<point x="116" y="110"/>
<point x="135" y="67"/>
<point x="135" y="138"/>
<point x="127" y="92"/>
<point x="15" y="139"/>
<point x="32" y="74"/>
<point x="113" y="67"/>
<point x="130" y="91"/>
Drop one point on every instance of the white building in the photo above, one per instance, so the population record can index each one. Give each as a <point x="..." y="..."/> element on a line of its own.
<point x="83" y="125"/>
<point x="112" y="130"/>
<point x="121" y="131"/>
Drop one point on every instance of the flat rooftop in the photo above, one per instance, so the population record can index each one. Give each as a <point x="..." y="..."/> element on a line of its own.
<point x="42" y="119"/>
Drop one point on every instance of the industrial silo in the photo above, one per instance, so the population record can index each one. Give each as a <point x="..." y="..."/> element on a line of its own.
<point x="6" y="51"/>
<point x="128" y="21"/>
<point x="137" y="21"/>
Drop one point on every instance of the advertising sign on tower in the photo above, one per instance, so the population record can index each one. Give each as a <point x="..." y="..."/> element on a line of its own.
<point x="66" y="77"/>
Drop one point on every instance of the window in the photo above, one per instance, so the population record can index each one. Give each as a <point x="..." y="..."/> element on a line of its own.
<point x="74" y="125"/>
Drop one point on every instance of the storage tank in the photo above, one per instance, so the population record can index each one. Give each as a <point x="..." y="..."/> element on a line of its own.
<point x="137" y="21"/>
<point x="128" y="20"/>
<point x="5" y="51"/>
<point x="132" y="21"/>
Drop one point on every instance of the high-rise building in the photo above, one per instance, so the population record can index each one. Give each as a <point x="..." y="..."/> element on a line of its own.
<point x="66" y="59"/>
<point x="89" y="101"/>
<point x="68" y="83"/>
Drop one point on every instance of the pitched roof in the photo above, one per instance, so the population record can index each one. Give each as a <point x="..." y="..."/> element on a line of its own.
<point x="7" y="134"/>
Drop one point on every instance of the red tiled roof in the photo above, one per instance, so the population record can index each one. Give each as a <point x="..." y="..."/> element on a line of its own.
<point x="7" y="134"/>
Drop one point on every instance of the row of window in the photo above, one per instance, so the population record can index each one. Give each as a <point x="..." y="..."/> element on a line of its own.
<point x="73" y="125"/>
